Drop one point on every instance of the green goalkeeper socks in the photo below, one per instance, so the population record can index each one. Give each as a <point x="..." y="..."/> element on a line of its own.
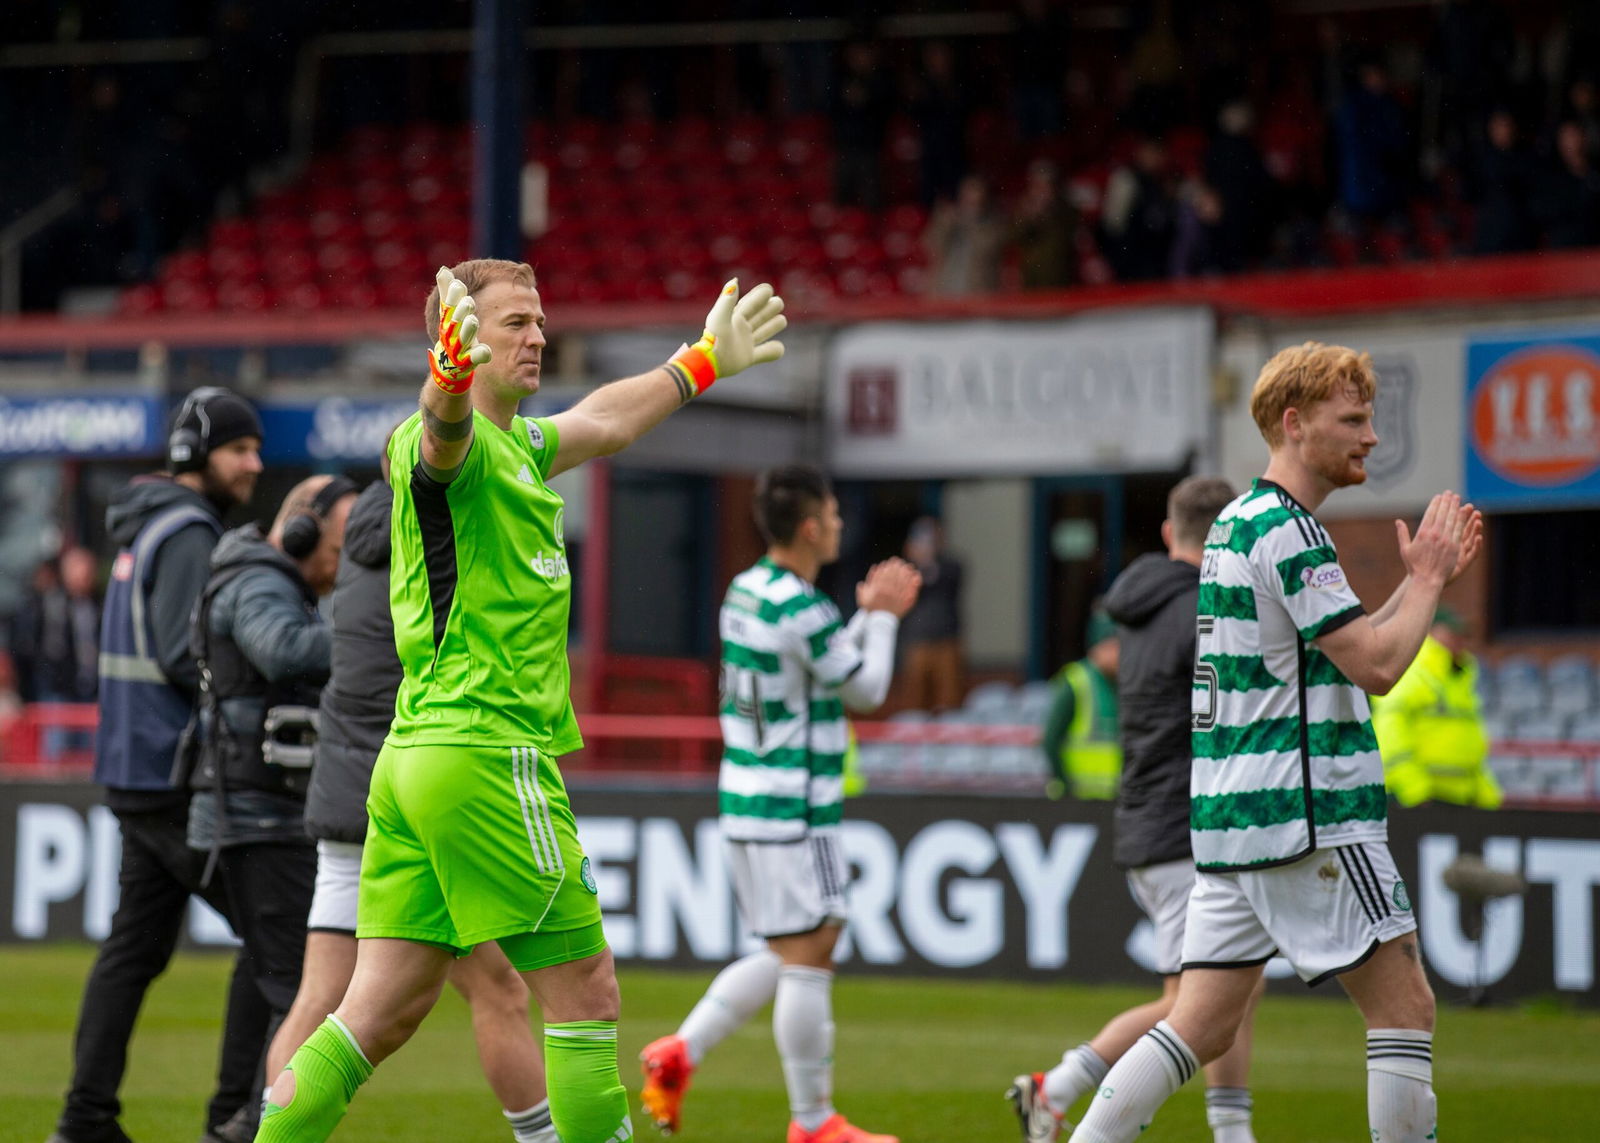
<point x="327" y="1070"/>
<point x="587" y="1099"/>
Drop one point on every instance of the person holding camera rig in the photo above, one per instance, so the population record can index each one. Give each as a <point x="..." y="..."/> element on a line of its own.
<point x="264" y="653"/>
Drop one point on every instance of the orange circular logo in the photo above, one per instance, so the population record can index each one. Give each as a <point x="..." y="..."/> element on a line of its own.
<point x="1536" y="415"/>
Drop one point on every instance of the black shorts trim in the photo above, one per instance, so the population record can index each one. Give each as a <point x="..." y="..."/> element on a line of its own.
<point x="1257" y="963"/>
<point x="351" y="933"/>
<point x="1355" y="964"/>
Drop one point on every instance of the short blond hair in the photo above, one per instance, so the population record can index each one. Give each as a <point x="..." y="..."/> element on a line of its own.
<point x="475" y="274"/>
<point x="1305" y="375"/>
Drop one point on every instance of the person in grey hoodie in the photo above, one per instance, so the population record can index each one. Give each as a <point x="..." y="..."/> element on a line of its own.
<point x="356" y="708"/>
<point x="1154" y="604"/>
<point x="263" y="654"/>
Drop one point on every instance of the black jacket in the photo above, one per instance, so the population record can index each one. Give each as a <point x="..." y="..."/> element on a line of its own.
<point x="1154" y="604"/>
<point x="358" y="702"/>
<point x="266" y="616"/>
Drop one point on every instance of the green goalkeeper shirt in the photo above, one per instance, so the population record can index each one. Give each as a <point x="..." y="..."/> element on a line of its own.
<point x="480" y="590"/>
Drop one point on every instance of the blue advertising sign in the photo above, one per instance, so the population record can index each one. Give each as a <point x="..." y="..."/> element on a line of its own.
<point x="89" y="426"/>
<point x="1533" y="421"/>
<point x="344" y="431"/>
<point x="336" y="430"/>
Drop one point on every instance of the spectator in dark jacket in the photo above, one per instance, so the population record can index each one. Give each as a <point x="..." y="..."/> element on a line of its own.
<point x="1044" y="230"/>
<point x="860" y="124"/>
<point x="930" y="632"/>
<point x="1247" y="196"/>
<point x="167" y="526"/>
<point x="940" y="111"/>
<point x="1154" y="605"/>
<point x="356" y="708"/>
<point x="1374" y="154"/>
<point x="1139" y="215"/>
<point x="1505" y="187"/>
<point x="1568" y="196"/>
<point x="55" y="635"/>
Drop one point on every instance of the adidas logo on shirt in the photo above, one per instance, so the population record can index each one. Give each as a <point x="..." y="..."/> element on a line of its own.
<point x="525" y="476"/>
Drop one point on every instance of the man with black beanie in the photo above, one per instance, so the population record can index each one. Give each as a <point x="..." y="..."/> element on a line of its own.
<point x="166" y="524"/>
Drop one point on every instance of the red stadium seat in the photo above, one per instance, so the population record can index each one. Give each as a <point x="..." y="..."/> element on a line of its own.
<point x="185" y="264"/>
<point x="276" y="232"/>
<point x="189" y="296"/>
<point x="137" y="301"/>
<point x="233" y="232"/>
<point x="288" y="265"/>
<point x="242" y="296"/>
<point x="233" y="262"/>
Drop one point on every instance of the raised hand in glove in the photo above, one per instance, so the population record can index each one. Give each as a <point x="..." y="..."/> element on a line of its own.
<point x="738" y="334"/>
<point x="457" y="353"/>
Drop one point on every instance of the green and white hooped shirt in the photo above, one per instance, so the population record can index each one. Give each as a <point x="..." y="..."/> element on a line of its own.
<point x="1285" y="760"/>
<point x="785" y="653"/>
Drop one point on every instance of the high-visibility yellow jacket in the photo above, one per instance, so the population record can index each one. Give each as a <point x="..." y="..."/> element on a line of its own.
<point x="1431" y="733"/>
<point x="1080" y="736"/>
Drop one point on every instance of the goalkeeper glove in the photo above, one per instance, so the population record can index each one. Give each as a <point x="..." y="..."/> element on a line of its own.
<point x="457" y="353"/>
<point x="738" y="334"/>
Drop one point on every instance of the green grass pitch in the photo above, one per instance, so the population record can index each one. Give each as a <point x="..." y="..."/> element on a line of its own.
<point x="925" y="1059"/>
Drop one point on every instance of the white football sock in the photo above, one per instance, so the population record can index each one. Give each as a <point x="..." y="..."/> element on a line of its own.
<point x="1158" y="1064"/>
<point x="802" y="1026"/>
<point x="532" y="1125"/>
<point x="739" y="991"/>
<point x="1080" y="1071"/>
<point x="1400" y="1103"/>
<point x="1228" y="1114"/>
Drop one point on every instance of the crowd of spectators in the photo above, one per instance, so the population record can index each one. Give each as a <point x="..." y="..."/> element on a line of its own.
<point x="1144" y="140"/>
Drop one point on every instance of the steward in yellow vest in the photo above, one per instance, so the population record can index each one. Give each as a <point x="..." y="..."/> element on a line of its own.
<point x="1080" y="732"/>
<point x="1430" y="729"/>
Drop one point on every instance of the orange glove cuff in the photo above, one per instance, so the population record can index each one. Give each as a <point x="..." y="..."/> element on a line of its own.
<point x="696" y="365"/>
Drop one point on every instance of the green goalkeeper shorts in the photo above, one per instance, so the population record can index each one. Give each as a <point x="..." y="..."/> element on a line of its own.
<point x="467" y="844"/>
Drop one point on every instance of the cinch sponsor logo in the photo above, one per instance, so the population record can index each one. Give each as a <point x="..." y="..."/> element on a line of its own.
<point x="1536" y="417"/>
<point x="73" y="425"/>
<point x="1328" y="575"/>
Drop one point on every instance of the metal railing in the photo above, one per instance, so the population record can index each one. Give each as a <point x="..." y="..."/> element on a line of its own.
<point x="893" y="755"/>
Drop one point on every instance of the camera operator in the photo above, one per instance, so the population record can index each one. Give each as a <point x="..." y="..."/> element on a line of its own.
<point x="264" y="654"/>
<point x="165" y="525"/>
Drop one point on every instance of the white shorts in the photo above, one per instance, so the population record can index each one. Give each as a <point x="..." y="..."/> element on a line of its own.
<point x="785" y="888"/>
<point x="1162" y="891"/>
<point x="333" y="901"/>
<point x="1326" y="913"/>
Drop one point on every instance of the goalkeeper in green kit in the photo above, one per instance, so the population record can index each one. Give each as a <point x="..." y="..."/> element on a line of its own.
<point x="471" y="837"/>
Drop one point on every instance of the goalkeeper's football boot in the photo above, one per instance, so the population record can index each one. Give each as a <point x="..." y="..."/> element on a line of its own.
<point x="1039" y="1123"/>
<point x="836" y="1129"/>
<point x="667" y="1069"/>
